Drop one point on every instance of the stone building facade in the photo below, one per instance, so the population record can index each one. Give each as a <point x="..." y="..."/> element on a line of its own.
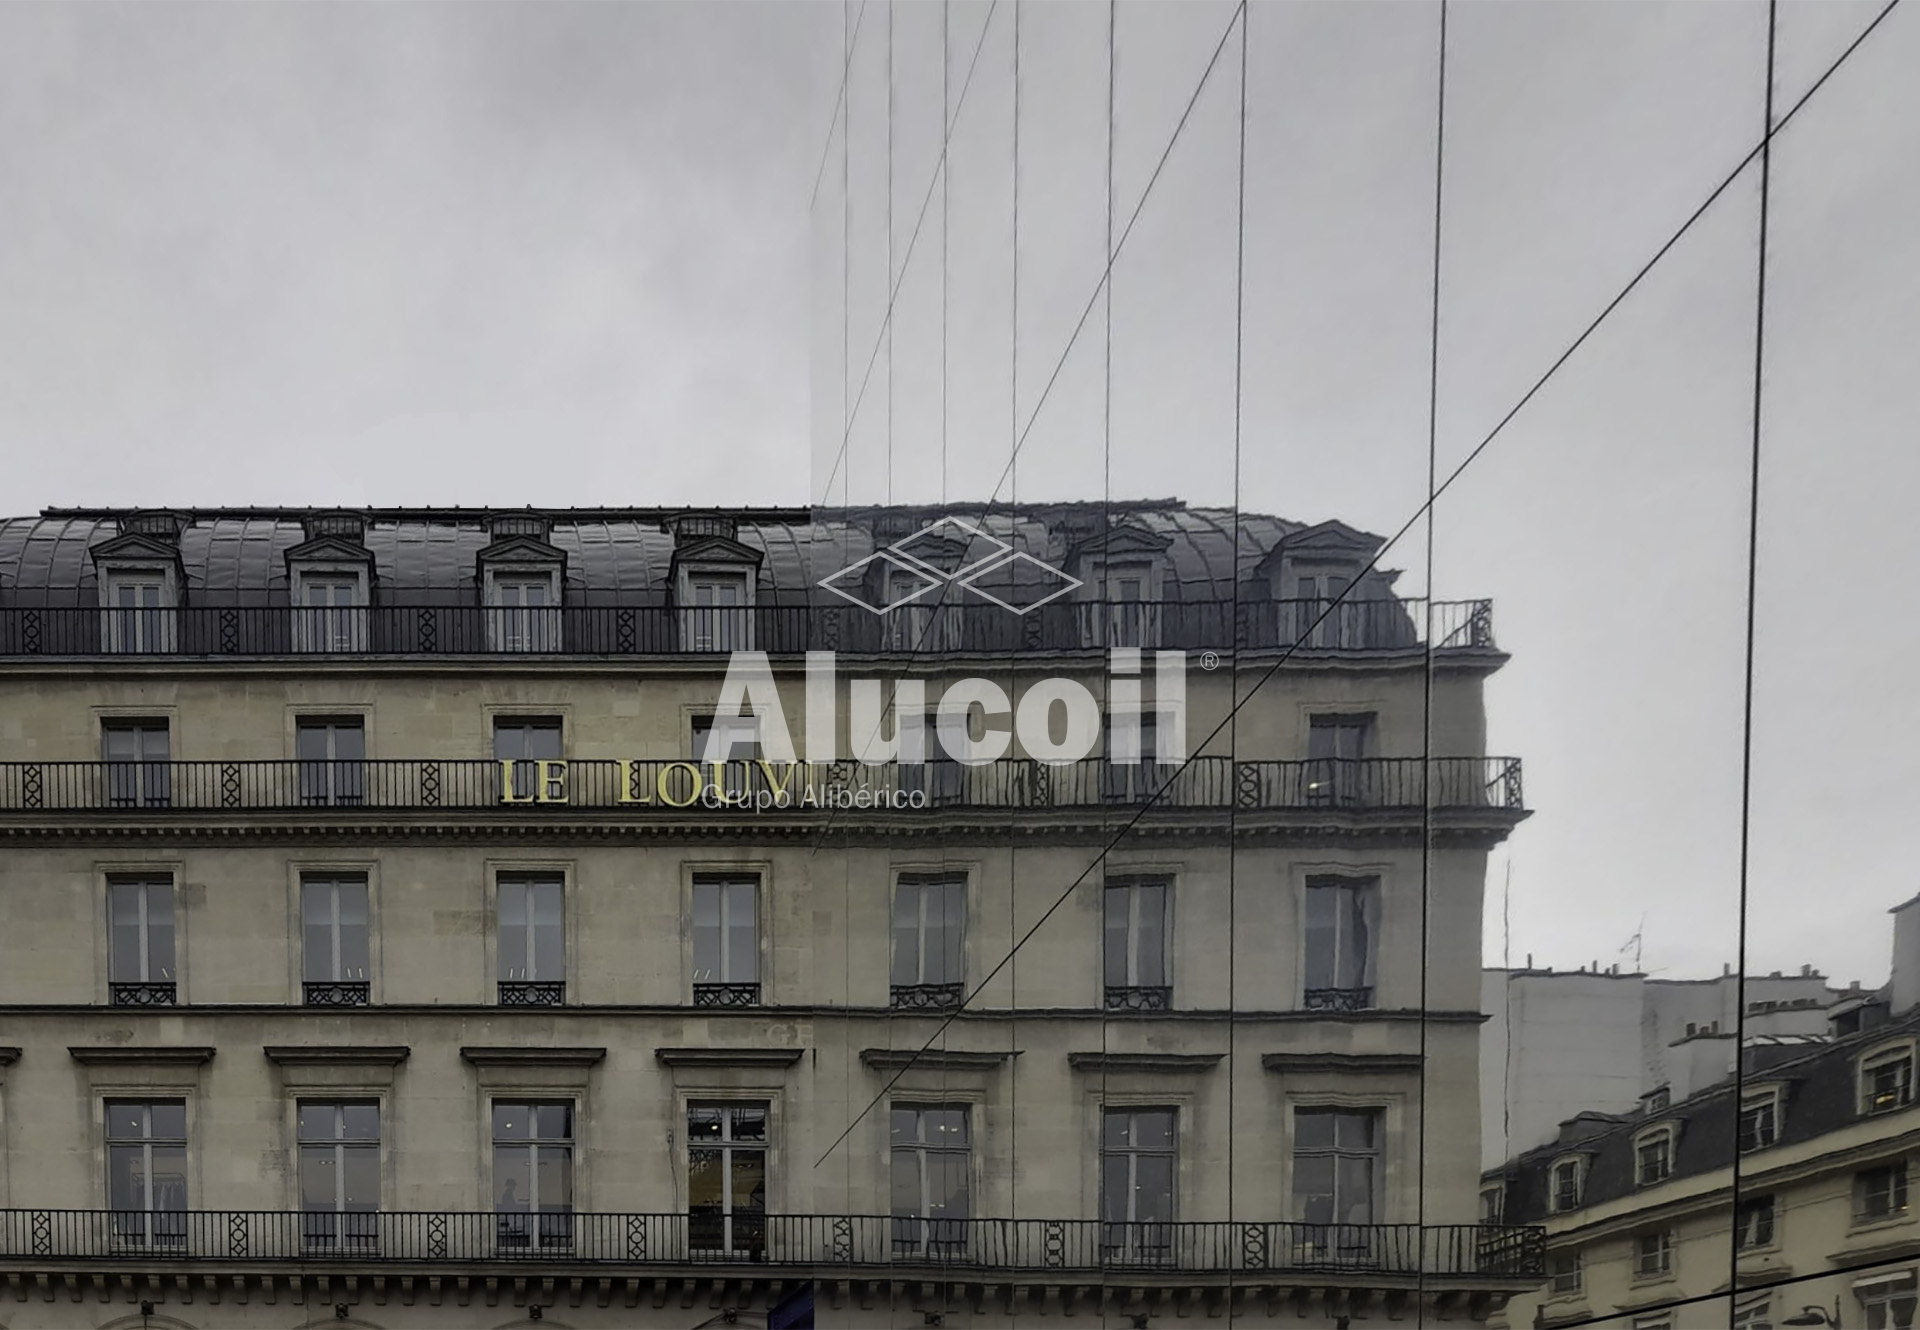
<point x="370" y="956"/>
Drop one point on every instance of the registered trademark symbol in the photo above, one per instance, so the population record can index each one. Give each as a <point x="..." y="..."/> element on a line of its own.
<point x="1209" y="660"/>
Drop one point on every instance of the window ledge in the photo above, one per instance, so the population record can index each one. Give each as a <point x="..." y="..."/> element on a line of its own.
<point x="1648" y="1282"/>
<point x="1879" y="1225"/>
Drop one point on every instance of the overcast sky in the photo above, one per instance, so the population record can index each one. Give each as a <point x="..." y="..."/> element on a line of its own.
<point x="565" y="254"/>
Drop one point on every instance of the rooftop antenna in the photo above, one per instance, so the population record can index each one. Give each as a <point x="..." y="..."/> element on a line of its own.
<point x="1634" y="943"/>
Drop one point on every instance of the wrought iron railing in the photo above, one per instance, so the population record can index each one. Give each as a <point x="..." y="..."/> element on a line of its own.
<point x="141" y="995"/>
<point x="927" y="997"/>
<point x="654" y="785"/>
<point x="447" y="627"/>
<point x="532" y="993"/>
<point x="440" y="1237"/>
<point x="1138" y="998"/>
<point x="1338" y="999"/>
<point x="726" y="995"/>
<point x="337" y="993"/>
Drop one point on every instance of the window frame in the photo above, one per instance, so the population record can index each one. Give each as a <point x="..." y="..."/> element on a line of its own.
<point x="1899" y="1200"/>
<point x="156" y="635"/>
<point x="1761" y="1215"/>
<point x="147" y="985"/>
<point x="1887" y="1055"/>
<point x="924" y="1224"/>
<point x="1578" y="1163"/>
<point x="709" y="721"/>
<point x="1665" y="1135"/>
<point x="1882" y="1290"/>
<point x="523" y="629"/>
<point x="1135" y="1227"/>
<point x="1765" y="1103"/>
<point x="694" y="618"/>
<point x="145" y="1238"/>
<point x="530" y="1099"/>
<point x="338" y="989"/>
<point x="366" y="1234"/>
<point x="726" y="986"/>
<point x="316" y="627"/>
<point x="151" y="777"/>
<point x="921" y="986"/>
<point x="1375" y="1154"/>
<point x="503" y="873"/>
<point x="1663" y="1267"/>
<point x="1576" y="1274"/>
<point x="730" y="1211"/>
<point x="1368" y="886"/>
<point x="1133" y="993"/>
<point x="344" y="783"/>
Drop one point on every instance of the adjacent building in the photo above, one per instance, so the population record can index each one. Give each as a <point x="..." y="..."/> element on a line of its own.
<point x="1779" y="1197"/>
<point x="402" y="927"/>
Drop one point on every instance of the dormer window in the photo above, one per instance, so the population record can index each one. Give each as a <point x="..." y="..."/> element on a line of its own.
<point x="1122" y="571"/>
<point x="1566" y="1181"/>
<point x="140" y="584"/>
<point x="714" y="578"/>
<point x="1759" y="1118"/>
<point x="1653" y="1155"/>
<point x="1886" y="1079"/>
<point x="329" y="578"/>
<point x="521" y="578"/>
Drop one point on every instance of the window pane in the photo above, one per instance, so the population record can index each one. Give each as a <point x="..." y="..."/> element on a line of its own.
<point x="948" y="1185"/>
<point x="749" y="1124"/>
<point x="512" y="1122"/>
<point x="743" y="952"/>
<point x="317" y="1122"/>
<point x="362" y="1122"/>
<point x="749" y="1180"/>
<point x="555" y="1178"/>
<point x="1153" y="1189"/>
<point x="159" y="932"/>
<point x="904" y="1126"/>
<point x="553" y="1122"/>
<point x="513" y="929"/>
<point x="124" y="949"/>
<point x="706" y="933"/>
<point x="706" y="1184"/>
<point x="1313" y="1189"/>
<point x="906" y="933"/>
<point x="512" y="1178"/>
<point x="905" y="1190"/>
<point x="354" y="931"/>
<point x="1354" y="1131"/>
<point x="1115" y="935"/>
<point x="1355" y="1181"/>
<point x="169" y="1121"/>
<point x="1115" y="1188"/>
<point x="1312" y="1129"/>
<point x="1151" y="952"/>
<point x="125" y="1122"/>
<point x="319" y="1178"/>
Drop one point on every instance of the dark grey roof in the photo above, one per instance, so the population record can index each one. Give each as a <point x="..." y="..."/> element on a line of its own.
<point x="231" y="555"/>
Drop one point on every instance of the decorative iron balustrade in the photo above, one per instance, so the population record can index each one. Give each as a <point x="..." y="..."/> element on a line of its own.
<point x="927" y="997"/>
<point x="1482" y="1251"/>
<point x="726" y="995"/>
<point x="533" y="993"/>
<point x="141" y="995"/>
<point x="445" y="627"/>
<point x="1338" y="999"/>
<point x="655" y="786"/>
<point x="1139" y="998"/>
<point x="339" y="993"/>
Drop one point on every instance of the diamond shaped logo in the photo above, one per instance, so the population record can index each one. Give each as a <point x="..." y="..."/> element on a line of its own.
<point x="900" y="583"/>
<point x="1019" y="583"/>
<point x="977" y="548"/>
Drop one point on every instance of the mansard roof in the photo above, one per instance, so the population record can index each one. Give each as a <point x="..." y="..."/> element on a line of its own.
<point x="625" y="555"/>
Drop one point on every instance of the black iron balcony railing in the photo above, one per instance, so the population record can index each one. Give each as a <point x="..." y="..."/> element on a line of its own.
<point x="1338" y="999"/>
<point x="756" y="1239"/>
<point x="927" y="997"/>
<point x="1138" y="998"/>
<point x="532" y="993"/>
<point x="1390" y="783"/>
<point x="141" y="995"/>
<point x="726" y="995"/>
<point x="337" y="993"/>
<point x="449" y="628"/>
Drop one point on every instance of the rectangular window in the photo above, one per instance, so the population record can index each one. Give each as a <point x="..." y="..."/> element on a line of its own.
<point x="1565" y="1269"/>
<point x="1888" y="1304"/>
<point x="339" y="1175"/>
<point x="1886" y="1081"/>
<point x="1653" y="1159"/>
<point x="147" y="1171"/>
<point x="523" y="741"/>
<point x="1880" y="1193"/>
<point x="533" y="1174"/>
<point x="1493" y="1205"/>
<point x="1317" y="596"/>
<point x="1135" y="937"/>
<point x="726" y="739"/>
<point x="1754" y="1220"/>
<point x="525" y="615"/>
<point x="1759" y="1119"/>
<point x="726" y="942"/>
<point x="716" y="616"/>
<point x="929" y="940"/>
<point x="1653" y="1255"/>
<point x="1337" y="772"/>
<point x="139" y="770"/>
<point x="335" y="937"/>
<point x="332" y="752"/>
<point x="532" y="942"/>
<point x="727" y="1178"/>
<point x="1339" y="943"/>
<point x="330" y="616"/>
<point x="1756" y="1314"/>
<point x="1565" y="1185"/>
<point x="1137" y="1170"/>
<point x="140" y="942"/>
<point x="1133" y="755"/>
<point x="138" y="619"/>
<point x="1336" y="1165"/>
<point x="932" y="1179"/>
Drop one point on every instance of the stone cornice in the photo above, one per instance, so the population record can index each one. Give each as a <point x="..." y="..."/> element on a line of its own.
<point x="531" y="1056"/>
<point x="335" y="1055"/>
<point x="1153" y="1063"/>
<point x="253" y="1011"/>
<point x="9" y="1056"/>
<point x="935" y="1059"/>
<point x="141" y="1055"/>
<point x="729" y="1057"/>
<point x="1344" y="1063"/>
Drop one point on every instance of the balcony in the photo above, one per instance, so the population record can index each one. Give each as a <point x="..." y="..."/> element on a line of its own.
<point x="726" y="995"/>
<point x="654" y="787"/>
<point x="448" y="628"/>
<point x="336" y="993"/>
<point x="821" y="1242"/>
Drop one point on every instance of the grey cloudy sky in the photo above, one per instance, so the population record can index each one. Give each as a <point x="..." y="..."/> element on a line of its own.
<point x="564" y="254"/>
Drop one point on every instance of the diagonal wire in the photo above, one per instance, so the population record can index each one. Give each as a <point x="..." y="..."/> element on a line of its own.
<point x="839" y="100"/>
<point x="1499" y="428"/>
<point x="1753" y="589"/>
<point x="906" y="259"/>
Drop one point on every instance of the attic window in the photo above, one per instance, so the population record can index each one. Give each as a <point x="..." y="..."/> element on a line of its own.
<point x="1886" y="1079"/>
<point x="1653" y="1155"/>
<point x="1759" y="1118"/>
<point x="1565" y="1183"/>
